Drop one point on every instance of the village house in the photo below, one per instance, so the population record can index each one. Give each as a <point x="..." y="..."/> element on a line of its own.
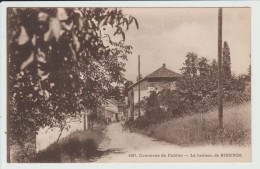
<point x="159" y="79"/>
<point x="114" y="111"/>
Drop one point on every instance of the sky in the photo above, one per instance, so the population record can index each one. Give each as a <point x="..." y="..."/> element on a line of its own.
<point x="166" y="35"/>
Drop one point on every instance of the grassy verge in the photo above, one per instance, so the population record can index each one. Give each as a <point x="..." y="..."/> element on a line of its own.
<point x="79" y="146"/>
<point x="202" y="129"/>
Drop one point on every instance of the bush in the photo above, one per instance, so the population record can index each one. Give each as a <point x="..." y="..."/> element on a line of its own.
<point x="77" y="146"/>
<point x="172" y="101"/>
<point x="52" y="154"/>
<point x="152" y="118"/>
<point x="237" y="97"/>
<point x="175" y="103"/>
<point x="72" y="148"/>
<point x="89" y="148"/>
<point x="205" y="105"/>
<point x="167" y="104"/>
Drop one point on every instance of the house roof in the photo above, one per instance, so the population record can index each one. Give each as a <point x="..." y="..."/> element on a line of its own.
<point x="116" y="103"/>
<point x="162" y="72"/>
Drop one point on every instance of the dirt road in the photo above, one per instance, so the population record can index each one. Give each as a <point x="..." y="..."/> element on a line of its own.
<point x="126" y="147"/>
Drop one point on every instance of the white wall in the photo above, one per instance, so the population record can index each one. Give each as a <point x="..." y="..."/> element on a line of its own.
<point x="111" y="107"/>
<point x="47" y="136"/>
<point x="144" y="93"/>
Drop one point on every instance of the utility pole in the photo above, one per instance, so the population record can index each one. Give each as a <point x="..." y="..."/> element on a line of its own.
<point x="139" y="96"/>
<point x="220" y="80"/>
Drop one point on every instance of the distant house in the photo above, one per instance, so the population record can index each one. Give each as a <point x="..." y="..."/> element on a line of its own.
<point x="159" y="79"/>
<point x="114" y="111"/>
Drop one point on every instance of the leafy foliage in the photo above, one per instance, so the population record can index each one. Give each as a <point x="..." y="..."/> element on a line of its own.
<point x="116" y="93"/>
<point x="226" y="61"/>
<point x="226" y="67"/>
<point x="61" y="61"/>
<point x="196" y="91"/>
<point x="78" y="145"/>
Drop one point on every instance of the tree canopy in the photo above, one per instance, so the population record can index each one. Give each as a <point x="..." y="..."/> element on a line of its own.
<point x="61" y="61"/>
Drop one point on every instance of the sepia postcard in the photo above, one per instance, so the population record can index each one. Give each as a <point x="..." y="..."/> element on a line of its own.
<point x="128" y="84"/>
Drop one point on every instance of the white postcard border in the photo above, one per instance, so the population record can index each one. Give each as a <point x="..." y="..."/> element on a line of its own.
<point x="255" y="59"/>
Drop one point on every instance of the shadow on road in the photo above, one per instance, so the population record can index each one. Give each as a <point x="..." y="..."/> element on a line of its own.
<point x="102" y="153"/>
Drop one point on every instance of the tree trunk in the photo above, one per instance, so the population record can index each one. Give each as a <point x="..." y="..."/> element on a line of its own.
<point x="61" y="130"/>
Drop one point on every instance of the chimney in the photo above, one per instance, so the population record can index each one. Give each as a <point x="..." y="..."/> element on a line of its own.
<point x="164" y="65"/>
